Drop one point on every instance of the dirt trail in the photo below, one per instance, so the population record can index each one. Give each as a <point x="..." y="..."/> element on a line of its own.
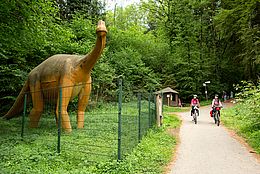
<point x="208" y="149"/>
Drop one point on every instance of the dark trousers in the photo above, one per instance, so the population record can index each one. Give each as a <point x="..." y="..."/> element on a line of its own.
<point x="192" y="110"/>
<point x="214" y="110"/>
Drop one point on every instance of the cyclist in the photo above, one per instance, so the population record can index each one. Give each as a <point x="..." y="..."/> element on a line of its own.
<point x="194" y="102"/>
<point x="216" y="103"/>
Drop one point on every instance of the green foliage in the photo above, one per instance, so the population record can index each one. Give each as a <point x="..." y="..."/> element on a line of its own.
<point x="183" y="25"/>
<point x="242" y="35"/>
<point x="127" y="51"/>
<point x="24" y="34"/>
<point x="209" y="40"/>
<point x="125" y="18"/>
<point x="244" y="118"/>
<point x="105" y="76"/>
<point x="156" y="44"/>
<point x="32" y="33"/>
<point x="91" y="9"/>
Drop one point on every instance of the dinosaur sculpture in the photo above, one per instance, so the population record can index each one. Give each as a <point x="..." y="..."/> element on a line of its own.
<point x="72" y="73"/>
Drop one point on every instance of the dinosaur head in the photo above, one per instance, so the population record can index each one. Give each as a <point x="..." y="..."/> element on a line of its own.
<point x="101" y="28"/>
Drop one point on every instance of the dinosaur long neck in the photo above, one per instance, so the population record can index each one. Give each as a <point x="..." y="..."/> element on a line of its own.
<point x="90" y="60"/>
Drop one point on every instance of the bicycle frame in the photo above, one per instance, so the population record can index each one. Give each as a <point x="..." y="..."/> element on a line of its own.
<point x="195" y="114"/>
<point x="216" y="115"/>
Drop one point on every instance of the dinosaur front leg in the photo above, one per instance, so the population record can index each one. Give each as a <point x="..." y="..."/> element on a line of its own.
<point x="37" y="100"/>
<point x="67" y="88"/>
<point x="82" y="104"/>
<point x="65" y="99"/>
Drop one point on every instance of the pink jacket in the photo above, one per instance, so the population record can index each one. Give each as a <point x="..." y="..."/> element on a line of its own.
<point x="195" y="102"/>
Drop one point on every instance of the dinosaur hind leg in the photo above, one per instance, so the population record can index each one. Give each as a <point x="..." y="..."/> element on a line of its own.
<point x="37" y="100"/>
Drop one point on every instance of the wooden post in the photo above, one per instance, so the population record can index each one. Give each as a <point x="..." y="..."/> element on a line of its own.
<point x="177" y="99"/>
<point x="159" y="115"/>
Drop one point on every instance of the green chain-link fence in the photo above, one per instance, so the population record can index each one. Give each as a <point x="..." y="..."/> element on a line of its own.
<point x="113" y="124"/>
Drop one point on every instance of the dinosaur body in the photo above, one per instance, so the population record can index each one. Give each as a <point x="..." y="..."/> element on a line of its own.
<point x="71" y="72"/>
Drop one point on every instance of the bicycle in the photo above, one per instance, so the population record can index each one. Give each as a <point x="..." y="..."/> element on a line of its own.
<point x="195" y="114"/>
<point x="216" y="115"/>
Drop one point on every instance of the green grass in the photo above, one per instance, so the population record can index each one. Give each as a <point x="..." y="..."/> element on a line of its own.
<point x="91" y="150"/>
<point x="37" y="152"/>
<point x="171" y="121"/>
<point x="151" y="155"/>
<point x="168" y="109"/>
<point x="240" y="118"/>
<point x="205" y="102"/>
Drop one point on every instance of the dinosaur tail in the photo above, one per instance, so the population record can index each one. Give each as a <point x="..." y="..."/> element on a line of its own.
<point x="17" y="107"/>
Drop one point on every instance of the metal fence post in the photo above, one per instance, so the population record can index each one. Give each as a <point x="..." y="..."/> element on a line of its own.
<point x="24" y="112"/>
<point x="155" y="109"/>
<point x="59" y="119"/>
<point x="149" y="108"/>
<point x="139" y="117"/>
<point x="119" y="120"/>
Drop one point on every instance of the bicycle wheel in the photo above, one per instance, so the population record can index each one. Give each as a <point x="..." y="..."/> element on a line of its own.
<point x="196" y="117"/>
<point x="217" y="118"/>
<point x="214" y="116"/>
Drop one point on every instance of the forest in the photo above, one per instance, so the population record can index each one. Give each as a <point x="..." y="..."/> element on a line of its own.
<point x="150" y="45"/>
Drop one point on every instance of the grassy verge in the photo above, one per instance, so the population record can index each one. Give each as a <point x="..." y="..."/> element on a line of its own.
<point x="168" y="109"/>
<point x="239" y="119"/>
<point x="171" y="121"/>
<point x="151" y="155"/>
<point x="36" y="153"/>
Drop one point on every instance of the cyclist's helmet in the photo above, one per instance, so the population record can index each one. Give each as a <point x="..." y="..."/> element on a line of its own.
<point x="195" y="96"/>
<point x="216" y="95"/>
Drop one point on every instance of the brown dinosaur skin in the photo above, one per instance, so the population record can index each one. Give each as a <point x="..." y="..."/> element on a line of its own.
<point x="72" y="73"/>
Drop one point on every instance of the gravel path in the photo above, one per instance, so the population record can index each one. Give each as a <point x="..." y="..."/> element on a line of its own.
<point x="208" y="149"/>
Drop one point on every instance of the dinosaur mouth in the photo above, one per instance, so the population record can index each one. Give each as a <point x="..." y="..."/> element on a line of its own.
<point x="101" y="26"/>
